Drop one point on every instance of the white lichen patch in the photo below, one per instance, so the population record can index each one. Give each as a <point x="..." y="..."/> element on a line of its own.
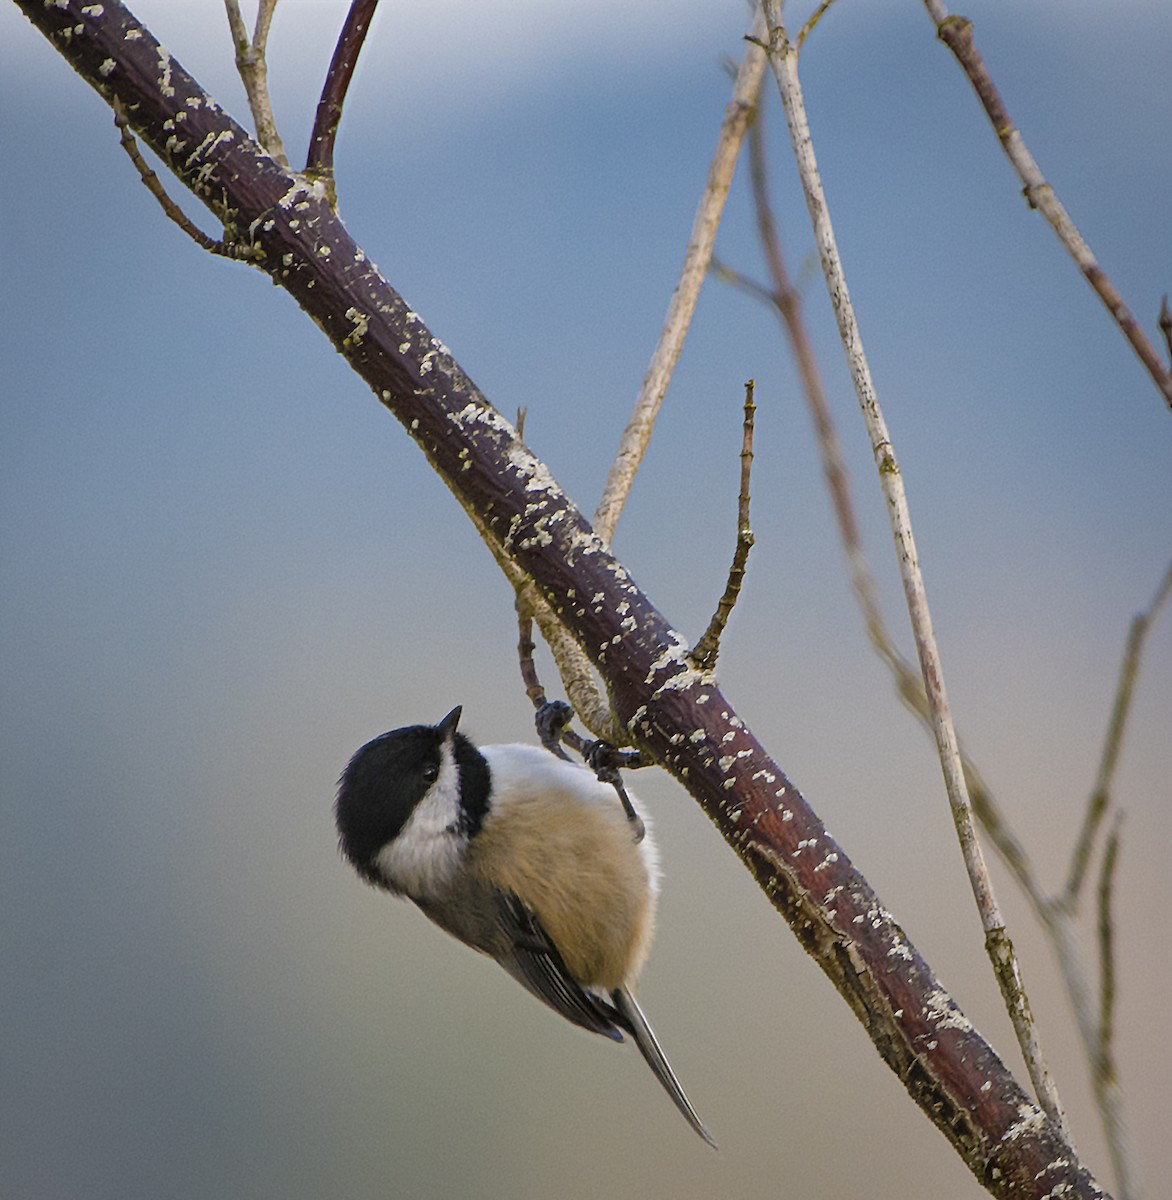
<point x="92" y="10"/>
<point x="900" y="949"/>
<point x="727" y="762"/>
<point x="207" y="146"/>
<point x="301" y="192"/>
<point x="1030" y="1121"/>
<point x="697" y="735"/>
<point x="583" y="542"/>
<point x="361" y="323"/>
<point x="107" y="68"/>
<point x="674" y="655"/>
<point x="943" y="1013"/>
<point x="766" y="775"/>
<point x="165" y="73"/>
<point x="828" y="861"/>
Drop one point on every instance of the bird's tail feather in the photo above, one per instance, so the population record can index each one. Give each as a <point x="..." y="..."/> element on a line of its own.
<point x="649" y="1047"/>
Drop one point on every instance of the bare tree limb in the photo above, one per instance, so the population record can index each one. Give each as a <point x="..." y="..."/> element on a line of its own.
<point x="637" y="435"/>
<point x="957" y="34"/>
<point x="675" y="715"/>
<point x="254" y="74"/>
<point x="783" y="59"/>
<point x="319" y="163"/>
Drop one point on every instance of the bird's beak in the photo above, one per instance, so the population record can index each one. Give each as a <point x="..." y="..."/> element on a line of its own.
<point x="448" y="725"/>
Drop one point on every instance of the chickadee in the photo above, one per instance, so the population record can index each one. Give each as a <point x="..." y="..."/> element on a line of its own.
<point x="521" y="855"/>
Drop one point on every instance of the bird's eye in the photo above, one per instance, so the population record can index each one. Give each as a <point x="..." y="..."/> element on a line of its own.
<point x="430" y="773"/>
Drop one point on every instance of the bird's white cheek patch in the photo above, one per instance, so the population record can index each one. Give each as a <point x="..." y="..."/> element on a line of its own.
<point x="428" y="850"/>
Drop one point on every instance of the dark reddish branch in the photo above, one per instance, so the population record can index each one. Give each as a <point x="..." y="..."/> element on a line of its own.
<point x="320" y="160"/>
<point x="957" y="34"/>
<point x="678" y="716"/>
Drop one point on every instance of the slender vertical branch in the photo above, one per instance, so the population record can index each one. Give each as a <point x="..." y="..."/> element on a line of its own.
<point x="783" y="59"/>
<point x="1165" y="323"/>
<point x="253" y="69"/>
<point x="957" y="34"/>
<point x="320" y="160"/>
<point x="708" y="647"/>
<point x="1106" y="927"/>
<point x="637" y="435"/>
<point x="1105" y="1076"/>
<point x="1113" y="744"/>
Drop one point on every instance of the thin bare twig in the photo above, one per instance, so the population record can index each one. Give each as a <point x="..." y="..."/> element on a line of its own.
<point x="637" y="435"/>
<point x="783" y="59"/>
<point x="1105" y="1066"/>
<point x="708" y="647"/>
<point x="957" y="34"/>
<point x="224" y="248"/>
<point x="1113" y="744"/>
<point x="811" y="21"/>
<point x="254" y="74"/>
<point x="319" y="163"/>
<point x="525" y="648"/>
<point x="1165" y="322"/>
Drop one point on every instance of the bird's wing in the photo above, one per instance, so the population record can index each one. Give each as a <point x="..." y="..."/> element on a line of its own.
<point x="534" y="962"/>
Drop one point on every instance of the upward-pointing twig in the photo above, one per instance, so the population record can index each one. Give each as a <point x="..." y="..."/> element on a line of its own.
<point x="250" y="63"/>
<point x="708" y="647"/>
<point x="320" y="161"/>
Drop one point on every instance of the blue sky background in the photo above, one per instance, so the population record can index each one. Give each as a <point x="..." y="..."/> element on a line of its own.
<point x="224" y="568"/>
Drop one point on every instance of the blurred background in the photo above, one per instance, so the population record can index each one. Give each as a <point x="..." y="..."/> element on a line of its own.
<point x="225" y="568"/>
